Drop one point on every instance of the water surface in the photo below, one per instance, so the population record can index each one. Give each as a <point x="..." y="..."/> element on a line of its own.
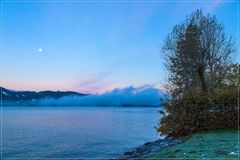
<point x="75" y="132"/>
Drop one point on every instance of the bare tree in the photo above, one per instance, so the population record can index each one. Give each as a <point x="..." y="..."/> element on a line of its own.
<point x="198" y="53"/>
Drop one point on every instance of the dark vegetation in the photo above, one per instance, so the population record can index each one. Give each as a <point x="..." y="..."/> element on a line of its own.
<point x="13" y="96"/>
<point x="203" y="78"/>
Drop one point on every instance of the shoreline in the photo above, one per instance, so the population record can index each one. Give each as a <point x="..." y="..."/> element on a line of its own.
<point x="223" y="144"/>
<point x="148" y="149"/>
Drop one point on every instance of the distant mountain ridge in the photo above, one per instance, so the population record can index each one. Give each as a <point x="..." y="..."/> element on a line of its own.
<point x="18" y="96"/>
<point x="146" y="95"/>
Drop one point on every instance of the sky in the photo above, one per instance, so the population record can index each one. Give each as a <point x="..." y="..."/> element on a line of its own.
<point x="93" y="47"/>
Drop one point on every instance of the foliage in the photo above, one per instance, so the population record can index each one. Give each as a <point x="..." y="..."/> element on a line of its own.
<point x="204" y="79"/>
<point x="198" y="53"/>
<point x="201" y="111"/>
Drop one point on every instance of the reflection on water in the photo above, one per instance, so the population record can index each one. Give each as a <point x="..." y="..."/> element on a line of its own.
<point x="75" y="132"/>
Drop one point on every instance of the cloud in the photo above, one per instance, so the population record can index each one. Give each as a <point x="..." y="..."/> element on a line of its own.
<point x="95" y="84"/>
<point x="129" y="96"/>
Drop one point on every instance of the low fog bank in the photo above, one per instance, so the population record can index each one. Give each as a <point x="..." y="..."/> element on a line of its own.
<point x="129" y="96"/>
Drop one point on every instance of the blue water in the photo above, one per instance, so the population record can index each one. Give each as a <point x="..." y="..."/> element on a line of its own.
<point x="75" y="132"/>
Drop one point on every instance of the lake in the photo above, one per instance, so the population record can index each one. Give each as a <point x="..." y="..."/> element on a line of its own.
<point x="75" y="132"/>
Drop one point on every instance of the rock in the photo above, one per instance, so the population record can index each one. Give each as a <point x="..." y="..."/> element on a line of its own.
<point x="147" y="143"/>
<point x="150" y="148"/>
<point x="128" y="153"/>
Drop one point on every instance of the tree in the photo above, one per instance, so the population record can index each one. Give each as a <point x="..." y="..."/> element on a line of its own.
<point x="198" y="53"/>
<point x="204" y="78"/>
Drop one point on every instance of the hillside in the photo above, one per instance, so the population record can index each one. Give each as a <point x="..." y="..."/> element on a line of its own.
<point x="11" y="96"/>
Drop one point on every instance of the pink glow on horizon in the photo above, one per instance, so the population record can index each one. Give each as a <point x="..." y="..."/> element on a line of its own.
<point x="63" y="87"/>
<point x="57" y="87"/>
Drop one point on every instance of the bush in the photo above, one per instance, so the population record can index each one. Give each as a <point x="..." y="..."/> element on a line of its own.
<point x="197" y="111"/>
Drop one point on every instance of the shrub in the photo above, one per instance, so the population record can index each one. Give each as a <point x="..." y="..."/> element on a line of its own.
<point x="197" y="111"/>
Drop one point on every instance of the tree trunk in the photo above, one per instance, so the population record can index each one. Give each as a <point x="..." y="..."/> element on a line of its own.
<point x="200" y="71"/>
<point x="202" y="80"/>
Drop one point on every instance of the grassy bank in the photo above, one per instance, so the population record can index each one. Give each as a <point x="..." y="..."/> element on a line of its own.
<point x="212" y="144"/>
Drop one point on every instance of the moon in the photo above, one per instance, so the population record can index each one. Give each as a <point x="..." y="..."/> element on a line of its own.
<point x="40" y="50"/>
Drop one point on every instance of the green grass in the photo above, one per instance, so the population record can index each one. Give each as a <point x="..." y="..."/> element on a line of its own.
<point x="219" y="144"/>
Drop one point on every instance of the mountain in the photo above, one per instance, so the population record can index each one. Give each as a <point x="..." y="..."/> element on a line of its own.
<point x="11" y="96"/>
<point x="146" y="95"/>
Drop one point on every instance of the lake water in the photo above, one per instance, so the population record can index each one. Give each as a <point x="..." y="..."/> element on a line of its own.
<point x="75" y="132"/>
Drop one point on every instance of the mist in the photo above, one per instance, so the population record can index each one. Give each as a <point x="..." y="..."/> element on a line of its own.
<point x="128" y="96"/>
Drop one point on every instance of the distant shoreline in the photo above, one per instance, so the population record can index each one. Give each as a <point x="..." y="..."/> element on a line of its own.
<point x="145" y="96"/>
<point x="18" y="106"/>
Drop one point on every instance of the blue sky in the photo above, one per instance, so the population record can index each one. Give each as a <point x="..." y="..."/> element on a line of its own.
<point x="96" y="46"/>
